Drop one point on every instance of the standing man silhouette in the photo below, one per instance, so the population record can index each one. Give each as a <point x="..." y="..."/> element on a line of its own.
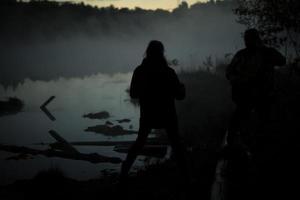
<point x="251" y="74"/>
<point x="156" y="86"/>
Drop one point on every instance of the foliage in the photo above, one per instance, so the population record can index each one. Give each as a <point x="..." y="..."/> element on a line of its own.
<point x="203" y="115"/>
<point x="277" y="20"/>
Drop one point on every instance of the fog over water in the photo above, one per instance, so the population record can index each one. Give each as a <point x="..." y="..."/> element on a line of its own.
<point x="74" y="98"/>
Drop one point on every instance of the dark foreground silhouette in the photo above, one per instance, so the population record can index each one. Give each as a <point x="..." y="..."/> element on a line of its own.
<point x="258" y="155"/>
<point x="251" y="74"/>
<point x="156" y="86"/>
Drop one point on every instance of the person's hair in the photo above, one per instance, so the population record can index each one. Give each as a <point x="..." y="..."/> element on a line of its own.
<point x="155" y="50"/>
<point x="155" y="53"/>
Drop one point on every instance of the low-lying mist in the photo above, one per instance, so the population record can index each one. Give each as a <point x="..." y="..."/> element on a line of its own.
<point x="48" y="40"/>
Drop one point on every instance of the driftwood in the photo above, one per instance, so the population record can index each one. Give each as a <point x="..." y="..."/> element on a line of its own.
<point x="93" y="157"/>
<point x="45" y="110"/>
<point x="150" y="141"/>
<point x="63" y="144"/>
<point x="110" y="130"/>
<point x="63" y="149"/>
<point x="154" y="147"/>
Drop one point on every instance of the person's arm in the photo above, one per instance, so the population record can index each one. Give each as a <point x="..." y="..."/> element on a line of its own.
<point x="134" y="87"/>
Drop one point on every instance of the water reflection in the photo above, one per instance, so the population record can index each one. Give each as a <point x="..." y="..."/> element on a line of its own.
<point x="74" y="98"/>
<point x="85" y="94"/>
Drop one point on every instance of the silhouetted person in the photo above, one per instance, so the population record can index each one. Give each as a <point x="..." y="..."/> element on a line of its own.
<point x="156" y="86"/>
<point x="251" y="74"/>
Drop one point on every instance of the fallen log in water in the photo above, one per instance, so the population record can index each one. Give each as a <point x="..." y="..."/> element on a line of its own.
<point x="154" y="147"/>
<point x="93" y="157"/>
<point x="64" y="145"/>
<point x="150" y="141"/>
<point x="110" y="130"/>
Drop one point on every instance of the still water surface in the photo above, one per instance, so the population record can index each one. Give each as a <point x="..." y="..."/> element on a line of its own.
<point x="74" y="97"/>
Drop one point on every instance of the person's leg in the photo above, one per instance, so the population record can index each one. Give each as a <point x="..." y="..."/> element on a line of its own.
<point x="241" y="114"/>
<point x="179" y="151"/>
<point x="263" y="110"/>
<point x="242" y="96"/>
<point x="262" y="131"/>
<point x="134" y="151"/>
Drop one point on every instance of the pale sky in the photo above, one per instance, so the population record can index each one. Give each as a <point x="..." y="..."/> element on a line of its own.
<point x="146" y="4"/>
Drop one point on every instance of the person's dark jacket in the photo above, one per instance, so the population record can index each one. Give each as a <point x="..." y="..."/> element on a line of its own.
<point x="156" y="86"/>
<point x="254" y="65"/>
<point x="251" y="72"/>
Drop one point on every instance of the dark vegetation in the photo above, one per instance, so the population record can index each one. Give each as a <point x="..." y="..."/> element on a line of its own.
<point x="278" y="21"/>
<point x="204" y="114"/>
<point x="157" y="181"/>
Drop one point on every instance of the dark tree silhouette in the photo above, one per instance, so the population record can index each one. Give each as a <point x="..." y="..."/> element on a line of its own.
<point x="277" y="20"/>
<point x="52" y="18"/>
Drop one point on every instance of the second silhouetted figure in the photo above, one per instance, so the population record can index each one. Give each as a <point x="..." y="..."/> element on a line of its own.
<point x="251" y="74"/>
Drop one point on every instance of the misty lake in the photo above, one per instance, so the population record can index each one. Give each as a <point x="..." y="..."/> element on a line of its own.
<point x="74" y="98"/>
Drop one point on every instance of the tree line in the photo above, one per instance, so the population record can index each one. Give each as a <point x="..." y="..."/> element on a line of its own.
<point x="44" y="18"/>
